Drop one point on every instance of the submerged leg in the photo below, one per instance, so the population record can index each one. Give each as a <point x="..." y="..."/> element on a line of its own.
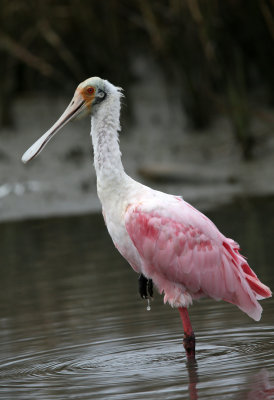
<point x="189" y="337"/>
<point x="192" y="368"/>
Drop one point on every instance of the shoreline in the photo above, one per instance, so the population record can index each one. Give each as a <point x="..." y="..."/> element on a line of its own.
<point x="158" y="150"/>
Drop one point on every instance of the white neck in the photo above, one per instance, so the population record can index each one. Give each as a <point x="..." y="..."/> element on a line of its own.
<point x="105" y="125"/>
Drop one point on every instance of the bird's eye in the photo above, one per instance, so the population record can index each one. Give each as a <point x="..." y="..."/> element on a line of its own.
<point x="90" y="90"/>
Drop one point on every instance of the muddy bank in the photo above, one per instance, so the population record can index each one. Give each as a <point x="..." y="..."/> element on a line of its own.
<point x="158" y="149"/>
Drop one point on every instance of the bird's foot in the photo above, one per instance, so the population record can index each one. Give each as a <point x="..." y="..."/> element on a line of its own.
<point x="189" y="345"/>
<point x="145" y="287"/>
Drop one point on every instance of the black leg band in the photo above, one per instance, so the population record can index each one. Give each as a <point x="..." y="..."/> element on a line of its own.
<point x="145" y="287"/>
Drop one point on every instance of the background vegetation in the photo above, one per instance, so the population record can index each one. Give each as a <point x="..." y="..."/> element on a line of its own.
<point x="219" y="53"/>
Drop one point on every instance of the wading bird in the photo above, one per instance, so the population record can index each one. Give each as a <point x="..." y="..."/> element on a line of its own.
<point x="167" y="241"/>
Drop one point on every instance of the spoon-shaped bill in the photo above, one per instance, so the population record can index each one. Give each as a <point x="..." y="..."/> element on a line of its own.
<point x="74" y="108"/>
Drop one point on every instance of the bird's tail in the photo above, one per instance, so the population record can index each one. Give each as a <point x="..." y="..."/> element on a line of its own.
<point x="262" y="291"/>
<point x="252" y="287"/>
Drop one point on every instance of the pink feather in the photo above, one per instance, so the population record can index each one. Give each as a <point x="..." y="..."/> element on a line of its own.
<point x="180" y="248"/>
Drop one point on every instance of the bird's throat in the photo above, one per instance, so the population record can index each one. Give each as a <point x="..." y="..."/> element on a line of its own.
<point x="104" y="132"/>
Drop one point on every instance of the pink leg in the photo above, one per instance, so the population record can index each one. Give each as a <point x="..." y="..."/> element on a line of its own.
<point x="189" y="337"/>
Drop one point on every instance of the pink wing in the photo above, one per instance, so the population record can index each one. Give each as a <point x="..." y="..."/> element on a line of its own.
<point x="181" y="249"/>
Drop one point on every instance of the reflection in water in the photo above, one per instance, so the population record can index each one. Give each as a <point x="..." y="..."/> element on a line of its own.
<point x="260" y="388"/>
<point x="192" y="368"/>
<point x="72" y="325"/>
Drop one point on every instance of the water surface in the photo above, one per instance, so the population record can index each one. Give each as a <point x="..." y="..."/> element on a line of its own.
<point x="73" y="327"/>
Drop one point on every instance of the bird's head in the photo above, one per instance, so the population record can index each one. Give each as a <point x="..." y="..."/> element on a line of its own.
<point x="87" y="98"/>
<point x="90" y="94"/>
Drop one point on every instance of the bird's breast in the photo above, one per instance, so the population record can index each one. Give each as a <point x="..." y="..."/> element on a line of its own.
<point x="115" y="222"/>
<point x="116" y="200"/>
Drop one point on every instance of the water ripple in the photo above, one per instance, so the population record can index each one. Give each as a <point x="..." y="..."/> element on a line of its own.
<point x="72" y="325"/>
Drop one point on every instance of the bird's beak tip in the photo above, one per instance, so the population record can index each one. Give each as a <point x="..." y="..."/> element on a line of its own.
<point x="24" y="159"/>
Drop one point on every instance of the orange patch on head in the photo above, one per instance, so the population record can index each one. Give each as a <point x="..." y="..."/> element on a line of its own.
<point x="88" y="94"/>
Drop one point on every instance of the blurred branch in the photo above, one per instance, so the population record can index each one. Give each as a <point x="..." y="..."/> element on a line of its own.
<point x="57" y="43"/>
<point x="268" y="17"/>
<point x="240" y="111"/>
<point x="195" y="11"/>
<point x="18" y="51"/>
<point x="151" y="24"/>
<point x="197" y="16"/>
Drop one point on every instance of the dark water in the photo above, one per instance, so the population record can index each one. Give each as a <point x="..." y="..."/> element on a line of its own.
<point x="73" y="327"/>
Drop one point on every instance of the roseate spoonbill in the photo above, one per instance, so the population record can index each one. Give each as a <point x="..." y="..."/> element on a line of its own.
<point x="167" y="241"/>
